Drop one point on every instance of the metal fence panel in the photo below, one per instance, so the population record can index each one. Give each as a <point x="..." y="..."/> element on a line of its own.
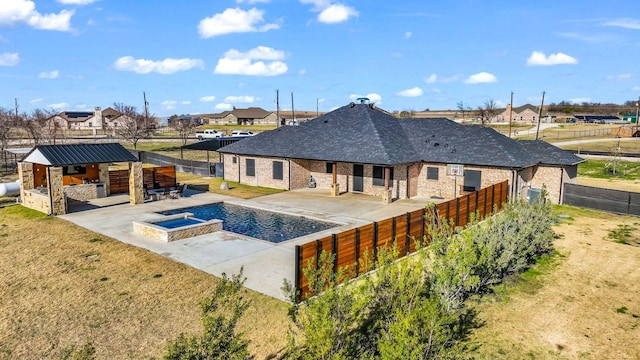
<point x="615" y="201"/>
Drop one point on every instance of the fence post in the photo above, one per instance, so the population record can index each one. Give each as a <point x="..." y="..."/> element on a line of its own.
<point x="394" y="241"/>
<point x="375" y="243"/>
<point x="422" y="240"/>
<point x="296" y="277"/>
<point x="334" y="251"/>
<point x="457" y="211"/>
<point x="407" y="236"/>
<point x="357" y="251"/>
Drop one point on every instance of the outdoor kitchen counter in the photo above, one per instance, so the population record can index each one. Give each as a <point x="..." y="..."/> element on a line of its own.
<point x="84" y="192"/>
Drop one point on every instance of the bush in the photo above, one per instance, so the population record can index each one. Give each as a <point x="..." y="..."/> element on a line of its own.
<point x="220" y="315"/>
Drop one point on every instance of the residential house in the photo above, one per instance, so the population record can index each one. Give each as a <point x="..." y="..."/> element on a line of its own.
<point x="360" y="148"/>
<point x="527" y="114"/>
<point x="248" y="116"/>
<point x="82" y="120"/>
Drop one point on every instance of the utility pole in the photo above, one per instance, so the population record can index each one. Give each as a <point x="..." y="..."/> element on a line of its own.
<point x="540" y="115"/>
<point x="293" y="110"/>
<point x="278" y="108"/>
<point x="146" y="111"/>
<point x="637" y="120"/>
<point x="510" y="113"/>
<point x="16" y="100"/>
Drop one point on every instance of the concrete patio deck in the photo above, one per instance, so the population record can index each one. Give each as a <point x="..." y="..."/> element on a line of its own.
<point x="265" y="264"/>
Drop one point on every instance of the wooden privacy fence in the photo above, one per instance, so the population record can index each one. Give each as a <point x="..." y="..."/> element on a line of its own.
<point x="160" y="177"/>
<point x="352" y="246"/>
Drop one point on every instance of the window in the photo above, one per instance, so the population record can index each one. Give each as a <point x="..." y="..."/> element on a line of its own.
<point x="74" y="170"/>
<point x="432" y="173"/>
<point x="472" y="180"/>
<point x="329" y="169"/>
<point x="378" y="176"/>
<point x="235" y="160"/>
<point x="250" y="167"/>
<point x="277" y="170"/>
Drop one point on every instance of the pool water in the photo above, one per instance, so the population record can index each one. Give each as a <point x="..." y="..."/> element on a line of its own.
<point x="172" y="224"/>
<point x="259" y="224"/>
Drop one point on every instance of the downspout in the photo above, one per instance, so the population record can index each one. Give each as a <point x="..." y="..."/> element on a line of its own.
<point x="514" y="184"/>
<point x="289" y="171"/>
<point x="238" y="156"/>
<point x="561" y="186"/>
<point x="407" y="184"/>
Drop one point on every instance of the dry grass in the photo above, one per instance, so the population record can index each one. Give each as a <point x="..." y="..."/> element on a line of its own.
<point x="611" y="146"/>
<point x="585" y="307"/>
<point x="64" y="286"/>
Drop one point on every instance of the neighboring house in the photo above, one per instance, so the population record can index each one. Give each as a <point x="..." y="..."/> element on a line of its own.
<point x="97" y="119"/>
<point x="249" y="116"/>
<point x="359" y="148"/>
<point x="193" y="119"/>
<point x="522" y="114"/>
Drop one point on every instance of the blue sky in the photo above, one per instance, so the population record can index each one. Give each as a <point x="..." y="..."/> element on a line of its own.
<point x="201" y="56"/>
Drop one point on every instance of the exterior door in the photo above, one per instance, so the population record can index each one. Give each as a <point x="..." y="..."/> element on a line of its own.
<point x="358" y="173"/>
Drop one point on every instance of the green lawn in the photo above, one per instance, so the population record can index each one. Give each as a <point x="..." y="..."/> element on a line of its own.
<point x="609" y="169"/>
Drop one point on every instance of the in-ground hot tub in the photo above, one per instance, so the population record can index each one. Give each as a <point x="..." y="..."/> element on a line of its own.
<point x="176" y="227"/>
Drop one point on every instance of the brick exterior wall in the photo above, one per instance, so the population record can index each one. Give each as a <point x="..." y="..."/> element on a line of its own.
<point x="296" y="175"/>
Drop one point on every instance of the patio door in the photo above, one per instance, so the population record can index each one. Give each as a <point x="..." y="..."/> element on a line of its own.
<point x="358" y="173"/>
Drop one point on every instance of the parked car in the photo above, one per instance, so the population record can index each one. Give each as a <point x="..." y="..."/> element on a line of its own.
<point x="242" y="133"/>
<point x="209" y="134"/>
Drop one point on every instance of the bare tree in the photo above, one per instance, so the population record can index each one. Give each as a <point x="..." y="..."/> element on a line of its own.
<point x="487" y="111"/>
<point x="184" y="127"/>
<point x="132" y="127"/>
<point x="463" y="108"/>
<point x="6" y="124"/>
<point x="36" y="125"/>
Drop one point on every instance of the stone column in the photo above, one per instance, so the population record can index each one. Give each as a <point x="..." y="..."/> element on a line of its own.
<point x="335" y="190"/>
<point x="386" y="196"/>
<point x="56" y="191"/>
<point x="103" y="173"/>
<point x="136" y="191"/>
<point x="25" y="174"/>
<point x="335" y="187"/>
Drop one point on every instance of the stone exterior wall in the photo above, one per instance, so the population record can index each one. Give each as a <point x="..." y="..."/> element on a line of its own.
<point x="552" y="179"/>
<point x="161" y="233"/>
<point x="56" y="191"/>
<point x="84" y="192"/>
<point x="136" y="190"/>
<point x="103" y="177"/>
<point x="231" y="165"/>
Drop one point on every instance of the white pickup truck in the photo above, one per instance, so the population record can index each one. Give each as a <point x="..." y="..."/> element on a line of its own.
<point x="209" y="134"/>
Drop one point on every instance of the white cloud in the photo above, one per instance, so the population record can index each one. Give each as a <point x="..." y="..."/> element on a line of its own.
<point x="336" y="13"/>
<point x="234" y="21"/>
<point x="239" y="99"/>
<point x="34" y="101"/>
<point x="49" y="74"/>
<point x="251" y="2"/>
<point x="223" y="107"/>
<point x="58" y="106"/>
<point x="408" y="34"/>
<point x="24" y="11"/>
<point x="580" y="100"/>
<point x="538" y="58"/>
<point x="169" y="104"/>
<point x="9" y="59"/>
<point x="235" y="62"/>
<point x="433" y="78"/>
<point x="331" y="12"/>
<point x="76" y="2"/>
<point x="208" y="98"/>
<point x="413" y="92"/>
<point x="481" y="78"/>
<point x="185" y="102"/>
<point x="620" y="77"/>
<point x="626" y="23"/>
<point x="374" y="98"/>
<point x="166" y="66"/>
<point x="302" y="72"/>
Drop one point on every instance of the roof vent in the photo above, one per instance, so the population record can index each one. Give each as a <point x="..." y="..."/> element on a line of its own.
<point x="352" y="104"/>
<point x="363" y="100"/>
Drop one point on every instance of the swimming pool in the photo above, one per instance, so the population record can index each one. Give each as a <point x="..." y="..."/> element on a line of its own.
<point x="259" y="224"/>
<point x="172" y="224"/>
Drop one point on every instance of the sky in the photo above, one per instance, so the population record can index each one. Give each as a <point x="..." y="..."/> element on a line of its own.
<point x="198" y="57"/>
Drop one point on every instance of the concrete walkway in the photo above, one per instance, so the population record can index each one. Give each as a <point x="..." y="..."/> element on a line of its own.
<point x="265" y="264"/>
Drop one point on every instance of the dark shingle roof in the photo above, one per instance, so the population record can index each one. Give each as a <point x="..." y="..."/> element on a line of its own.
<point x="71" y="154"/>
<point x="363" y="134"/>
<point x="548" y="154"/>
